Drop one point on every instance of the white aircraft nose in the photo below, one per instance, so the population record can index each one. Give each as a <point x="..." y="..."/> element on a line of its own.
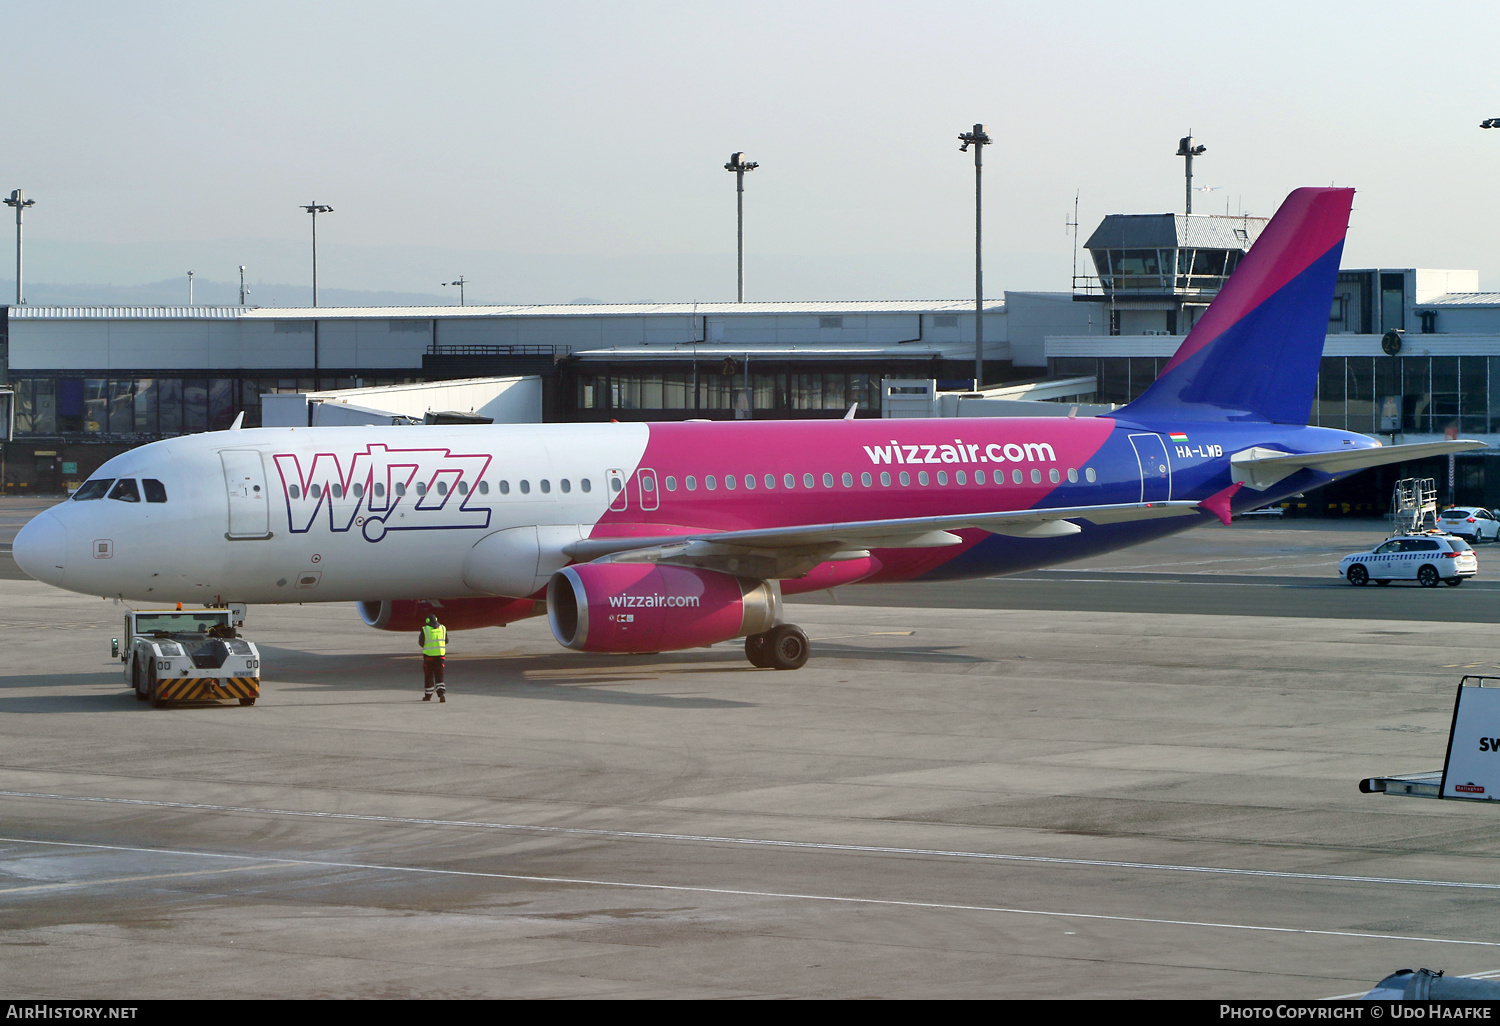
<point x="41" y="548"/>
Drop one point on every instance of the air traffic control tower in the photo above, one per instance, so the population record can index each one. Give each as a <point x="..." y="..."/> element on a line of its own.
<point x="1157" y="273"/>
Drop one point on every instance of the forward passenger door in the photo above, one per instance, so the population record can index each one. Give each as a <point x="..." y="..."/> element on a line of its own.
<point x="249" y="505"/>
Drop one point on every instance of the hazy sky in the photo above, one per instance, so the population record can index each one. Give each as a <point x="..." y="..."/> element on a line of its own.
<point x="550" y="151"/>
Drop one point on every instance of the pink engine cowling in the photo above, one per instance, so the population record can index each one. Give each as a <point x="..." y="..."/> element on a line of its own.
<point x="645" y="607"/>
<point x="456" y="614"/>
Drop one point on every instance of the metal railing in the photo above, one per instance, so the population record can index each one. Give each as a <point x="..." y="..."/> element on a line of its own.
<point x="1195" y="285"/>
<point x="1413" y="501"/>
<point x="475" y="349"/>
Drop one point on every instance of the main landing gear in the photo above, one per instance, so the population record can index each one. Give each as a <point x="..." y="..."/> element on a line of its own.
<point x="783" y="647"/>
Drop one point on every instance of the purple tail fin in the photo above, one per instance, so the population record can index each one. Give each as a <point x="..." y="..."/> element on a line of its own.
<point x="1254" y="354"/>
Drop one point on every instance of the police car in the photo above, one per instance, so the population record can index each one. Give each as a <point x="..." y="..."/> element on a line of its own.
<point x="1425" y="558"/>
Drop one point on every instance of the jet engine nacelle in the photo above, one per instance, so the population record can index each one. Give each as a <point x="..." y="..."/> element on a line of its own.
<point x="645" y="607"/>
<point x="456" y="614"/>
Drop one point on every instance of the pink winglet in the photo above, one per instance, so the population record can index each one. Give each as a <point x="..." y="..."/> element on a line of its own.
<point x="1218" y="502"/>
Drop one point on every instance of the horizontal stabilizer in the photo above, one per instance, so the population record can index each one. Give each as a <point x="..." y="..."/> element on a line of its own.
<point x="1260" y="468"/>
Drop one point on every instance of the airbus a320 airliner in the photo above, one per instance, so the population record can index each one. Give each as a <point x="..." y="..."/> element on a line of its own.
<point x="658" y="537"/>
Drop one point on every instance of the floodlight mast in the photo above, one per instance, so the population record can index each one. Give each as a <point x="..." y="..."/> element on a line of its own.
<point x="739" y="165"/>
<point x="1187" y="151"/>
<point x="190" y="288"/>
<point x="243" y="290"/>
<point x="20" y="202"/>
<point x="979" y="140"/>
<point x="460" y="283"/>
<point x="315" y="209"/>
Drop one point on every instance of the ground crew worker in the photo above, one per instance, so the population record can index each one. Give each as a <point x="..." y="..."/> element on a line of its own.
<point x="434" y="641"/>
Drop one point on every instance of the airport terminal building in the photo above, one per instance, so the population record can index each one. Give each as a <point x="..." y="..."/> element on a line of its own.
<point x="88" y="382"/>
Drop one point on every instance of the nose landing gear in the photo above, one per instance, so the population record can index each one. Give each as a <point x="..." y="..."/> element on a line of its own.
<point x="783" y="647"/>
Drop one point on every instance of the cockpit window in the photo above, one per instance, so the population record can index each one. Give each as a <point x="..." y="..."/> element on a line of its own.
<point x="95" y="489"/>
<point x="155" y="490"/>
<point x="125" y="490"/>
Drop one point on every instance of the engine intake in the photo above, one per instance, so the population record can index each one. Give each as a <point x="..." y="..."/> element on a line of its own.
<point x="645" y="607"/>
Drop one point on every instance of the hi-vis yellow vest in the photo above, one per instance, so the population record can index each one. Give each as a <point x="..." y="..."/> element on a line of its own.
<point x="434" y="642"/>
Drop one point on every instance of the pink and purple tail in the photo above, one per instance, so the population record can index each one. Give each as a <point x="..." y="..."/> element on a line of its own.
<point x="1254" y="354"/>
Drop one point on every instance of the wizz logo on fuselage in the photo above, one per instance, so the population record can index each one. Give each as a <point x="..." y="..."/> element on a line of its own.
<point x="383" y="489"/>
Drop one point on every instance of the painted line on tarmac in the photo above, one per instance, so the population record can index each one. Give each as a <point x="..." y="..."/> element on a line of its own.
<point x="863" y="849"/>
<point x="736" y="892"/>
<point x="74" y="884"/>
<point x="1315" y="582"/>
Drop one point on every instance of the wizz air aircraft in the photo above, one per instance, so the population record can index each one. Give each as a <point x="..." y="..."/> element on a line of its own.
<point x="656" y="537"/>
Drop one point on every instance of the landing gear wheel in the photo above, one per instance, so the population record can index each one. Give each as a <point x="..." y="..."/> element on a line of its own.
<point x="1454" y="582"/>
<point x="1358" y="575"/>
<point x="755" y="649"/>
<point x="1428" y="577"/>
<point x="787" y="647"/>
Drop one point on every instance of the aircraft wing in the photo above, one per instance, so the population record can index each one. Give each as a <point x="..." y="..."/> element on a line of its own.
<point x="790" y="551"/>
<point x="1260" y="468"/>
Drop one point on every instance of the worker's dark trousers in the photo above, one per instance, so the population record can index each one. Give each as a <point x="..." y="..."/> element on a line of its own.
<point x="432" y="672"/>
